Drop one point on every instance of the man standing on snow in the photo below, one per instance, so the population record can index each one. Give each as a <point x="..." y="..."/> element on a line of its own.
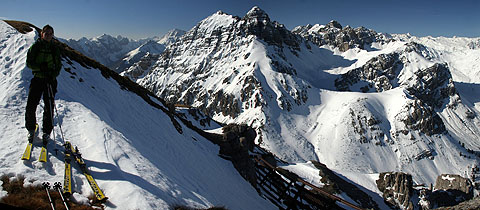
<point x="44" y="59"/>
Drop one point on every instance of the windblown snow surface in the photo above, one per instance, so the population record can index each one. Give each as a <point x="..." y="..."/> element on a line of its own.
<point x="137" y="156"/>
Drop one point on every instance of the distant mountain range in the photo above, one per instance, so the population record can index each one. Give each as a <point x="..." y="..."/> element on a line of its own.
<point x="119" y="53"/>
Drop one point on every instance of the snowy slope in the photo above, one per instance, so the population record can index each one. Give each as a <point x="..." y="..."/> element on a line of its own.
<point x="419" y="108"/>
<point x="132" y="149"/>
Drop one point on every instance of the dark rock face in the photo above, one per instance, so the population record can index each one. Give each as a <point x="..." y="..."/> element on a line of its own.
<point x="422" y="117"/>
<point x="378" y="73"/>
<point x="237" y="141"/>
<point x="257" y="22"/>
<point x="454" y="182"/>
<point x="397" y="188"/>
<point x="342" y="38"/>
<point x="450" y="190"/>
<point x="470" y="204"/>
<point x="433" y="85"/>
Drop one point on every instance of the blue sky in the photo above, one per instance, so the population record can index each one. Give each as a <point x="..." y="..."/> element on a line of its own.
<point x="146" y="18"/>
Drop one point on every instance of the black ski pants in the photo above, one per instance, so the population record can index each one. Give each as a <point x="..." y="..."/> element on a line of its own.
<point x="39" y="87"/>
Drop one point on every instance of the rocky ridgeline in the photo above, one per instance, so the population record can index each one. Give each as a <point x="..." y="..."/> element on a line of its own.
<point x="432" y="85"/>
<point x="399" y="192"/>
<point x="119" y="53"/>
<point x="430" y="88"/>
<point x="343" y="38"/>
<point x="202" y="53"/>
<point x="378" y="73"/>
<point x="256" y="22"/>
<point x="142" y="67"/>
<point x="106" y="49"/>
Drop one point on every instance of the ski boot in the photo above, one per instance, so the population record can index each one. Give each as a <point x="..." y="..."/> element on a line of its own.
<point x="31" y="136"/>
<point x="45" y="139"/>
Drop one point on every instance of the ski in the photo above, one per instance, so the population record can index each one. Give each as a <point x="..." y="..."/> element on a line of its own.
<point x="43" y="154"/>
<point x="28" y="150"/>
<point x="67" y="181"/>
<point x="83" y="167"/>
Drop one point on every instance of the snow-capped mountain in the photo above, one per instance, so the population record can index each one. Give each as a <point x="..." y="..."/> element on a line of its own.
<point x="356" y="100"/>
<point x="170" y="37"/>
<point x="106" y="49"/>
<point x="138" y="61"/>
<point x="343" y="38"/>
<point x="132" y="145"/>
<point x="119" y="53"/>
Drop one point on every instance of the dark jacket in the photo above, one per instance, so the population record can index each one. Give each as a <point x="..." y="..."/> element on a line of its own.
<point x="43" y="58"/>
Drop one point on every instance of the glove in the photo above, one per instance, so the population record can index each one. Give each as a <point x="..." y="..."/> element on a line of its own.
<point x="44" y="67"/>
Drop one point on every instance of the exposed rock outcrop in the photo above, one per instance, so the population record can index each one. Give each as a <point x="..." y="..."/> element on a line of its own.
<point x="418" y="116"/>
<point x="237" y="141"/>
<point x="455" y="187"/>
<point x="257" y="22"/>
<point x="377" y="73"/>
<point x="397" y="188"/>
<point x="433" y="85"/>
<point x="342" y="38"/>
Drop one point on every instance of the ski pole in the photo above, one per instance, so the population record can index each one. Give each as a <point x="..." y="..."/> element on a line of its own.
<point x="58" y="118"/>
<point x="46" y="185"/>
<point x="52" y="104"/>
<point x="57" y="187"/>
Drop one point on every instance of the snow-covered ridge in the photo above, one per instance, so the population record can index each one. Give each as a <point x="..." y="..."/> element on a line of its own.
<point x="132" y="149"/>
<point x="408" y="104"/>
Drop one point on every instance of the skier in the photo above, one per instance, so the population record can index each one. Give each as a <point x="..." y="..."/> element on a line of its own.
<point x="43" y="58"/>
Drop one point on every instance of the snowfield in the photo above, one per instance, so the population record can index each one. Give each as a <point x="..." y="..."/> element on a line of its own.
<point x="132" y="149"/>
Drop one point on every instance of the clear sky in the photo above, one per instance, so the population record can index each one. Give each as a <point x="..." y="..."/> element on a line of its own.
<point x="146" y="18"/>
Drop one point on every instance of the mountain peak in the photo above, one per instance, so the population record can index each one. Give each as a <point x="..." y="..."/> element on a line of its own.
<point x="257" y="13"/>
<point x="220" y="12"/>
<point x="334" y="24"/>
